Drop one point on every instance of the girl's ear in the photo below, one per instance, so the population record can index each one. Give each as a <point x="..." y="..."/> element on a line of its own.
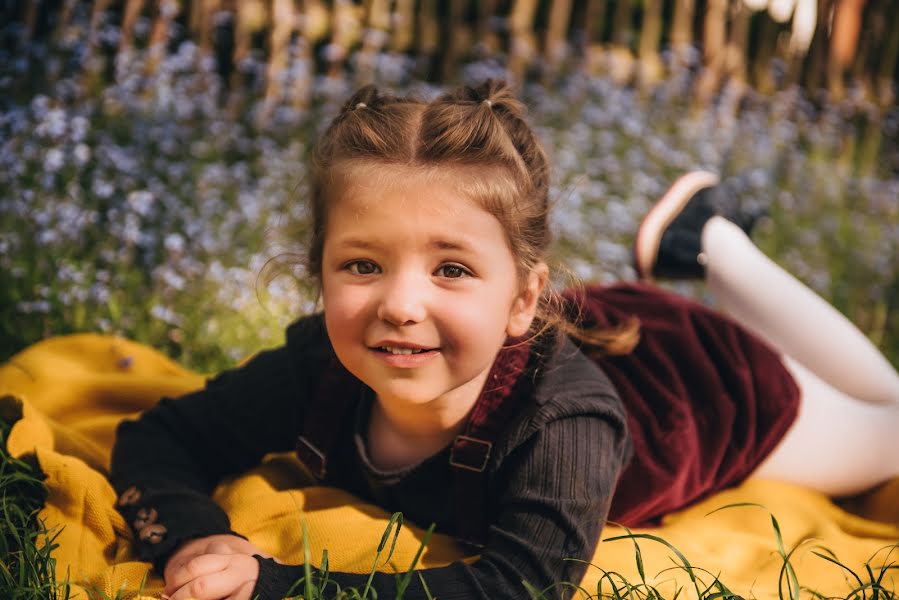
<point x="525" y="306"/>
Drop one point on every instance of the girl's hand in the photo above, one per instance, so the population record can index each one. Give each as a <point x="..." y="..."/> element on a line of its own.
<point x="215" y="567"/>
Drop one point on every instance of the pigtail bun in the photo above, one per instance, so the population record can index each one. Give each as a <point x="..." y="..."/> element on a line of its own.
<point x="365" y="97"/>
<point x="498" y="96"/>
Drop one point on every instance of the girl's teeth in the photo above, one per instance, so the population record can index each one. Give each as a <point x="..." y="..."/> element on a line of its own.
<point x="402" y="350"/>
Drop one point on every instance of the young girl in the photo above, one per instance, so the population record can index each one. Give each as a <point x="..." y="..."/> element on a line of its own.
<point x="445" y="379"/>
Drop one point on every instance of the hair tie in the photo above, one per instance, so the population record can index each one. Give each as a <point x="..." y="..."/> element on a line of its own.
<point x="361" y="105"/>
<point x="488" y="103"/>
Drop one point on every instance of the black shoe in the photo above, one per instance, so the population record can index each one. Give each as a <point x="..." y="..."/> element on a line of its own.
<point x="669" y="238"/>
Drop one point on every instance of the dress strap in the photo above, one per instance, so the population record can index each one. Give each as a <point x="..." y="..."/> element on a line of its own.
<point x="503" y="394"/>
<point x="327" y="413"/>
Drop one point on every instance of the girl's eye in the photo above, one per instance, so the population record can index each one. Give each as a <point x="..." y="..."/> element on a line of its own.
<point x="452" y="271"/>
<point x="362" y="267"/>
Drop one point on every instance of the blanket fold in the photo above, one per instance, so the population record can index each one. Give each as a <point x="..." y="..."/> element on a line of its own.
<point x="66" y="395"/>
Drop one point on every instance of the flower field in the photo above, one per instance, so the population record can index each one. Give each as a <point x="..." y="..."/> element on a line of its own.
<point x="136" y="201"/>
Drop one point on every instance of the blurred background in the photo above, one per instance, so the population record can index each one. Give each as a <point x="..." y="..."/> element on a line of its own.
<point x="152" y="152"/>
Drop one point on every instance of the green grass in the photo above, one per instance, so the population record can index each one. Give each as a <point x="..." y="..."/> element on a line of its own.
<point x="28" y="569"/>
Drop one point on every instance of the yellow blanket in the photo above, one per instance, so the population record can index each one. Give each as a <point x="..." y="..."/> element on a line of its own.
<point x="68" y="393"/>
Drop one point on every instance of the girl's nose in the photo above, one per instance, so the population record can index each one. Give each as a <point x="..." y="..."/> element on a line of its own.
<point x="403" y="300"/>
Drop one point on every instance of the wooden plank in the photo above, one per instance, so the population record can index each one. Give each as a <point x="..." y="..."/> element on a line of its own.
<point x="129" y="18"/>
<point x="522" y="42"/>
<point x="555" y="47"/>
<point x="651" y="68"/>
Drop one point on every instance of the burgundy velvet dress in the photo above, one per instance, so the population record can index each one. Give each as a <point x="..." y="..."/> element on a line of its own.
<point x="707" y="400"/>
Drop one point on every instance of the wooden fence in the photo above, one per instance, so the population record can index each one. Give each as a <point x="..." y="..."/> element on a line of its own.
<point x="822" y="44"/>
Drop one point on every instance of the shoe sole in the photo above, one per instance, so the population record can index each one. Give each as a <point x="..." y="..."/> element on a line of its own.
<point x="665" y="210"/>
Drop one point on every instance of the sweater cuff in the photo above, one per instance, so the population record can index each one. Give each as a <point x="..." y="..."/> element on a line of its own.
<point x="277" y="580"/>
<point x="162" y="520"/>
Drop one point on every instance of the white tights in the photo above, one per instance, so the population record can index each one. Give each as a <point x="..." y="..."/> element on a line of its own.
<point x="846" y="436"/>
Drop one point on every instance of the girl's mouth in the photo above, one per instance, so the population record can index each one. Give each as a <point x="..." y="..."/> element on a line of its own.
<point x="403" y="351"/>
<point x="405" y="357"/>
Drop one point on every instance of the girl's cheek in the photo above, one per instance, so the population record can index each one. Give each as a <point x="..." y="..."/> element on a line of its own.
<point x="482" y="322"/>
<point x="346" y="304"/>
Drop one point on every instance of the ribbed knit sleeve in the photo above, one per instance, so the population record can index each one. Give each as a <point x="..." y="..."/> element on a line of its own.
<point x="552" y="495"/>
<point x="166" y="463"/>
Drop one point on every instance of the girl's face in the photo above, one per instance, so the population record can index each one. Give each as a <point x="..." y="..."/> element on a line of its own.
<point x="420" y="290"/>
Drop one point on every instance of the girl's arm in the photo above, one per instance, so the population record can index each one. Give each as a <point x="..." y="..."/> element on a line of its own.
<point x="166" y="463"/>
<point x="553" y="495"/>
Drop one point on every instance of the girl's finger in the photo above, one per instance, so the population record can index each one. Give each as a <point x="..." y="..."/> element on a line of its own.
<point x="198" y="566"/>
<point x="219" y="548"/>
<point x="243" y="592"/>
<point x="175" y="564"/>
<point x="241" y="571"/>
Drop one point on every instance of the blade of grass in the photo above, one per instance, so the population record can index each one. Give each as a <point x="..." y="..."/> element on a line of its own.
<point x="425" y="587"/>
<point x="532" y="591"/>
<point x="793" y="581"/>
<point x="397" y="519"/>
<point x="404" y="580"/>
<point x="687" y="566"/>
<point x="833" y="558"/>
<point x="325" y="571"/>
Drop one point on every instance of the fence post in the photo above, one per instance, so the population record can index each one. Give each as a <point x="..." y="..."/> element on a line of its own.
<point x="200" y="25"/>
<point x="593" y="34"/>
<point x="556" y="45"/>
<point x="485" y="36"/>
<point x="283" y="20"/>
<point x="714" y="57"/>
<point x="737" y="48"/>
<point x="651" y="68"/>
<point x="766" y="48"/>
<point x="847" y="16"/>
<point x="166" y="11"/>
<point x="620" y="56"/>
<point x="97" y="11"/>
<point x="682" y="27"/>
<point x="886" y="72"/>
<point x="345" y="31"/>
<point x="374" y="38"/>
<point x="455" y="35"/>
<point x="65" y="15"/>
<point x="403" y="25"/>
<point x="312" y="22"/>
<point x="428" y="30"/>
<point x="523" y="45"/>
<point x="126" y="35"/>
<point x="249" y="16"/>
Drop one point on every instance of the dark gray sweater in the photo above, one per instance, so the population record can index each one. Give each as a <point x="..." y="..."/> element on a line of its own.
<point x="550" y="478"/>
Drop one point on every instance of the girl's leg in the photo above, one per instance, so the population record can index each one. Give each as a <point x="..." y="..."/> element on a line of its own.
<point x="774" y="305"/>
<point x="837" y="445"/>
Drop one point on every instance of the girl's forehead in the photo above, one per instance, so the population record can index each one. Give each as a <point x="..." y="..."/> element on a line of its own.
<point x="364" y="188"/>
<point x="410" y="204"/>
<point x="410" y="201"/>
<point x="492" y="187"/>
<point x="375" y="174"/>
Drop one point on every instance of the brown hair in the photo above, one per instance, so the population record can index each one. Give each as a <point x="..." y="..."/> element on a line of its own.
<point x="479" y="130"/>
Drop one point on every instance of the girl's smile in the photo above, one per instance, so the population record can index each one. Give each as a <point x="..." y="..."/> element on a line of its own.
<point x="420" y="291"/>
<point x="404" y="356"/>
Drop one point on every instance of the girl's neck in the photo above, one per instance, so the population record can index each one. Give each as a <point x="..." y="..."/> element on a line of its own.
<point x="401" y="435"/>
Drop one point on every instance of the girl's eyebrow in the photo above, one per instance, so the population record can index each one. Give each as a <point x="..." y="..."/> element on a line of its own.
<point x="357" y="243"/>
<point x="450" y="245"/>
<point x="461" y="244"/>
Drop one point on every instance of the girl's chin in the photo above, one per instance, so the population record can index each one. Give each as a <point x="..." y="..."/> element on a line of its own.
<point x="406" y="397"/>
